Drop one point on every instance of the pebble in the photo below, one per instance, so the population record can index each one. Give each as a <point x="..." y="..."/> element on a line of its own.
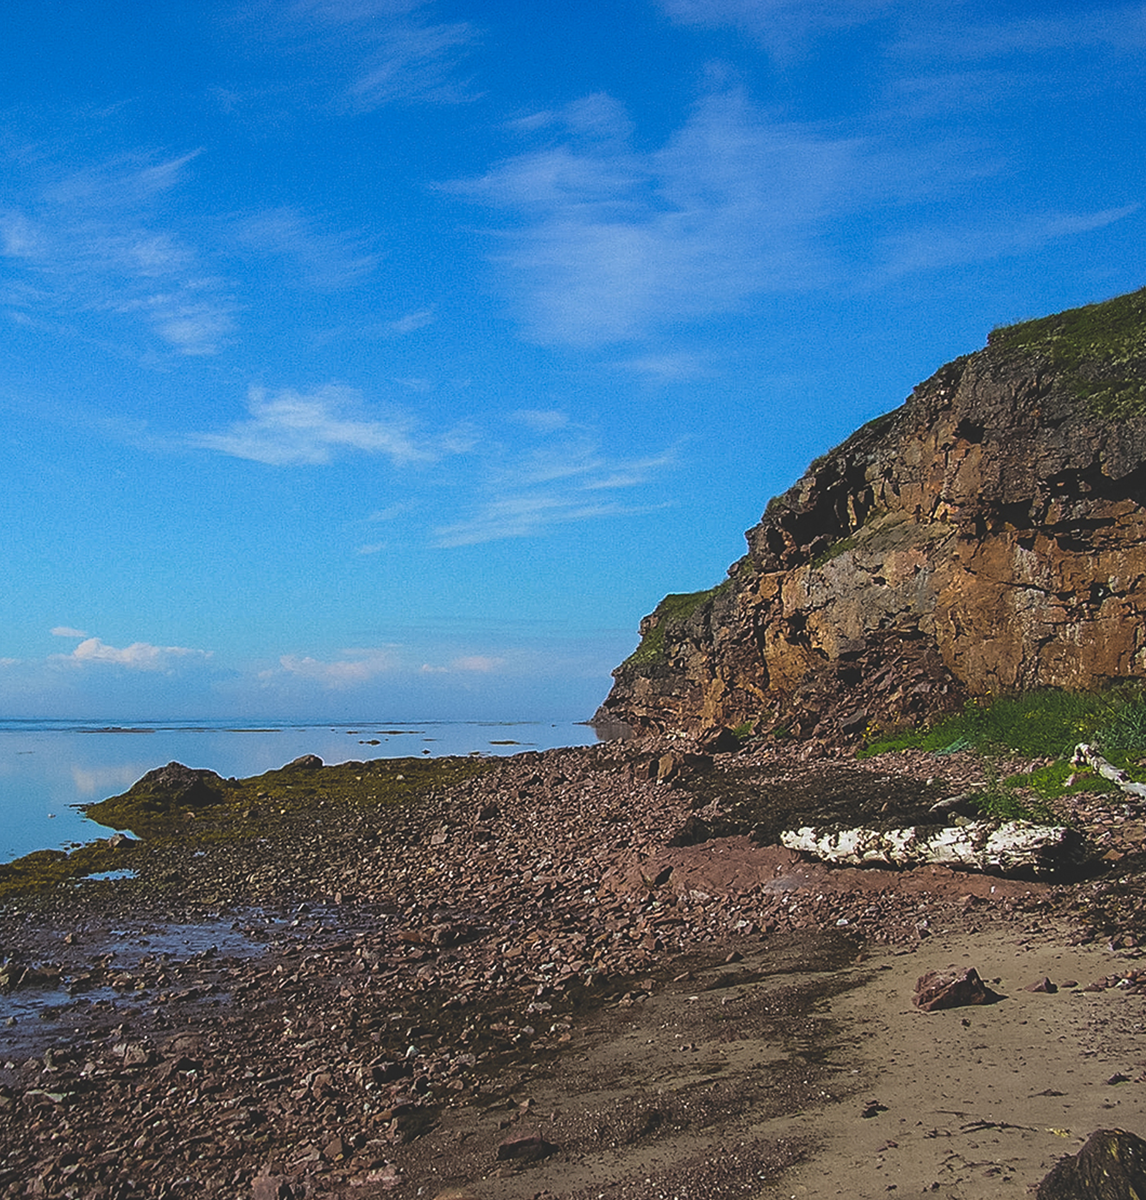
<point x="400" y="970"/>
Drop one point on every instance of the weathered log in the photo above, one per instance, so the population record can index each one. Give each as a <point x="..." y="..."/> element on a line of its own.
<point x="1010" y="846"/>
<point x="1084" y="753"/>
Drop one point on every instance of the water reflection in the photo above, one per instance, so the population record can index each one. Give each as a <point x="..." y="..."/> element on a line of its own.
<point x="48" y="767"/>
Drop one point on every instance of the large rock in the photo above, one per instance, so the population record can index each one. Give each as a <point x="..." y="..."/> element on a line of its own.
<point x="1111" y="1166"/>
<point x="951" y="989"/>
<point x="177" y="784"/>
<point x="988" y="535"/>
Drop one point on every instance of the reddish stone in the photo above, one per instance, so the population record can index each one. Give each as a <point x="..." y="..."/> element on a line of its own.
<point x="271" y="1187"/>
<point x="527" y="1148"/>
<point x="951" y="989"/>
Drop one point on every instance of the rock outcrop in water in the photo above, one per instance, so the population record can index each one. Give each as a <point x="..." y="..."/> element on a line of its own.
<point x="987" y="536"/>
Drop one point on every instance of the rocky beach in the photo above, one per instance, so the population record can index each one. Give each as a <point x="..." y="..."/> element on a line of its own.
<point x="557" y="974"/>
<point x="736" y="954"/>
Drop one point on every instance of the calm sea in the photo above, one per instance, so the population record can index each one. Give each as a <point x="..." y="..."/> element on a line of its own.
<point x="47" y="768"/>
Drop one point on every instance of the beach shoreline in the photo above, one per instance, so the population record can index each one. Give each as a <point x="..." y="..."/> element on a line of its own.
<point x="527" y="957"/>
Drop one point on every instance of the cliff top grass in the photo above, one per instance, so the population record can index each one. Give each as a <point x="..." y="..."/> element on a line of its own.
<point x="1100" y="350"/>
<point x="672" y="612"/>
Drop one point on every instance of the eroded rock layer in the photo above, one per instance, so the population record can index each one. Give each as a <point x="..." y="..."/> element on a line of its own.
<point x="987" y="536"/>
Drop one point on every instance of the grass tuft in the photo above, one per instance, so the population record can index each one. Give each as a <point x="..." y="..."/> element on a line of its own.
<point x="1040" y="725"/>
<point x="1100" y="349"/>
<point x="672" y="612"/>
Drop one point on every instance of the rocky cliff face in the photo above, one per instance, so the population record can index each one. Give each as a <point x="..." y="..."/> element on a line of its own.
<point x="987" y="536"/>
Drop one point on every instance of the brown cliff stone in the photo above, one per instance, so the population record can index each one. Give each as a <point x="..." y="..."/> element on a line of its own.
<point x="987" y="536"/>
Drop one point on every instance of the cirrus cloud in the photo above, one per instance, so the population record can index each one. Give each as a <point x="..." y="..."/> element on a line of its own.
<point x="609" y="244"/>
<point x="290" y="428"/>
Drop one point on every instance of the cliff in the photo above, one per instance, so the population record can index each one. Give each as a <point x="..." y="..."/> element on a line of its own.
<point x="987" y="536"/>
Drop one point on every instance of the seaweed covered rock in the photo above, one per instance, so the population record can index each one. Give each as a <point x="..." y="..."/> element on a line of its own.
<point x="989" y="535"/>
<point x="1111" y="1166"/>
<point x="176" y="784"/>
<point x="160" y="800"/>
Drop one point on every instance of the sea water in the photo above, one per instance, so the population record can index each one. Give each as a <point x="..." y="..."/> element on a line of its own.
<point x="48" y="768"/>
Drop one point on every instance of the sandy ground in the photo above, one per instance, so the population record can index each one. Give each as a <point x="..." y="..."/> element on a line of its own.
<point x="784" y="1075"/>
<point x="976" y="1102"/>
<point x="733" y="1039"/>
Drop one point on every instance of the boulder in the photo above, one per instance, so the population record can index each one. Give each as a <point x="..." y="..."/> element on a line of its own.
<point x="1111" y="1166"/>
<point x="951" y="989"/>
<point x="527" y="1148"/>
<point x="678" y="763"/>
<point x="183" y="786"/>
<point x="304" y="762"/>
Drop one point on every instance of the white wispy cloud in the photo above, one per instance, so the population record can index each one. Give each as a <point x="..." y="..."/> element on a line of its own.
<point x="664" y="368"/>
<point x="527" y="494"/>
<point x="604" y="243"/>
<point x="409" y="323"/>
<point x="353" y="669"/>
<point x="392" y="511"/>
<point x="544" y="470"/>
<point x="1117" y="29"/>
<point x="325" y="260"/>
<point x="608" y="243"/>
<point x="529" y="516"/>
<point x="483" y="664"/>
<point x="474" y="664"/>
<point x="784" y="27"/>
<point x="383" y="51"/>
<point x="139" y="656"/>
<point x="66" y="631"/>
<point x="100" y="240"/>
<point x="288" y="428"/>
<point x="928" y="249"/>
<point x="542" y="420"/>
<point x="787" y="28"/>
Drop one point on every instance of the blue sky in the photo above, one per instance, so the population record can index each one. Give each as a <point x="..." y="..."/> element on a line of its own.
<point x="385" y="359"/>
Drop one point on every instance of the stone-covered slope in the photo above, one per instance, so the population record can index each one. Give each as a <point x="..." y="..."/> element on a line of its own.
<point x="987" y="536"/>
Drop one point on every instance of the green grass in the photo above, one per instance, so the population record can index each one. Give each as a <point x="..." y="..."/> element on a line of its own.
<point x="1100" y="349"/>
<point x="834" y="551"/>
<point x="671" y="613"/>
<point x="1039" y="725"/>
<point x="1002" y="800"/>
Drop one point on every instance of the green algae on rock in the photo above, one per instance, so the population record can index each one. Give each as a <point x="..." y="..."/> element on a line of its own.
<point x="178" y="807"/>
<point x="43" y="870"/>
<point x="239" y="808"/>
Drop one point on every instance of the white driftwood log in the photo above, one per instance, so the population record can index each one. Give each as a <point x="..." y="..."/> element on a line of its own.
<point x="980" y="845"/>
<point x="1088" y="755"/>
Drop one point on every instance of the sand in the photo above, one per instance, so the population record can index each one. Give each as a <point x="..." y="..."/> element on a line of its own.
<point x="977" y="1102"/>
<point x="787" y="1075"/>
